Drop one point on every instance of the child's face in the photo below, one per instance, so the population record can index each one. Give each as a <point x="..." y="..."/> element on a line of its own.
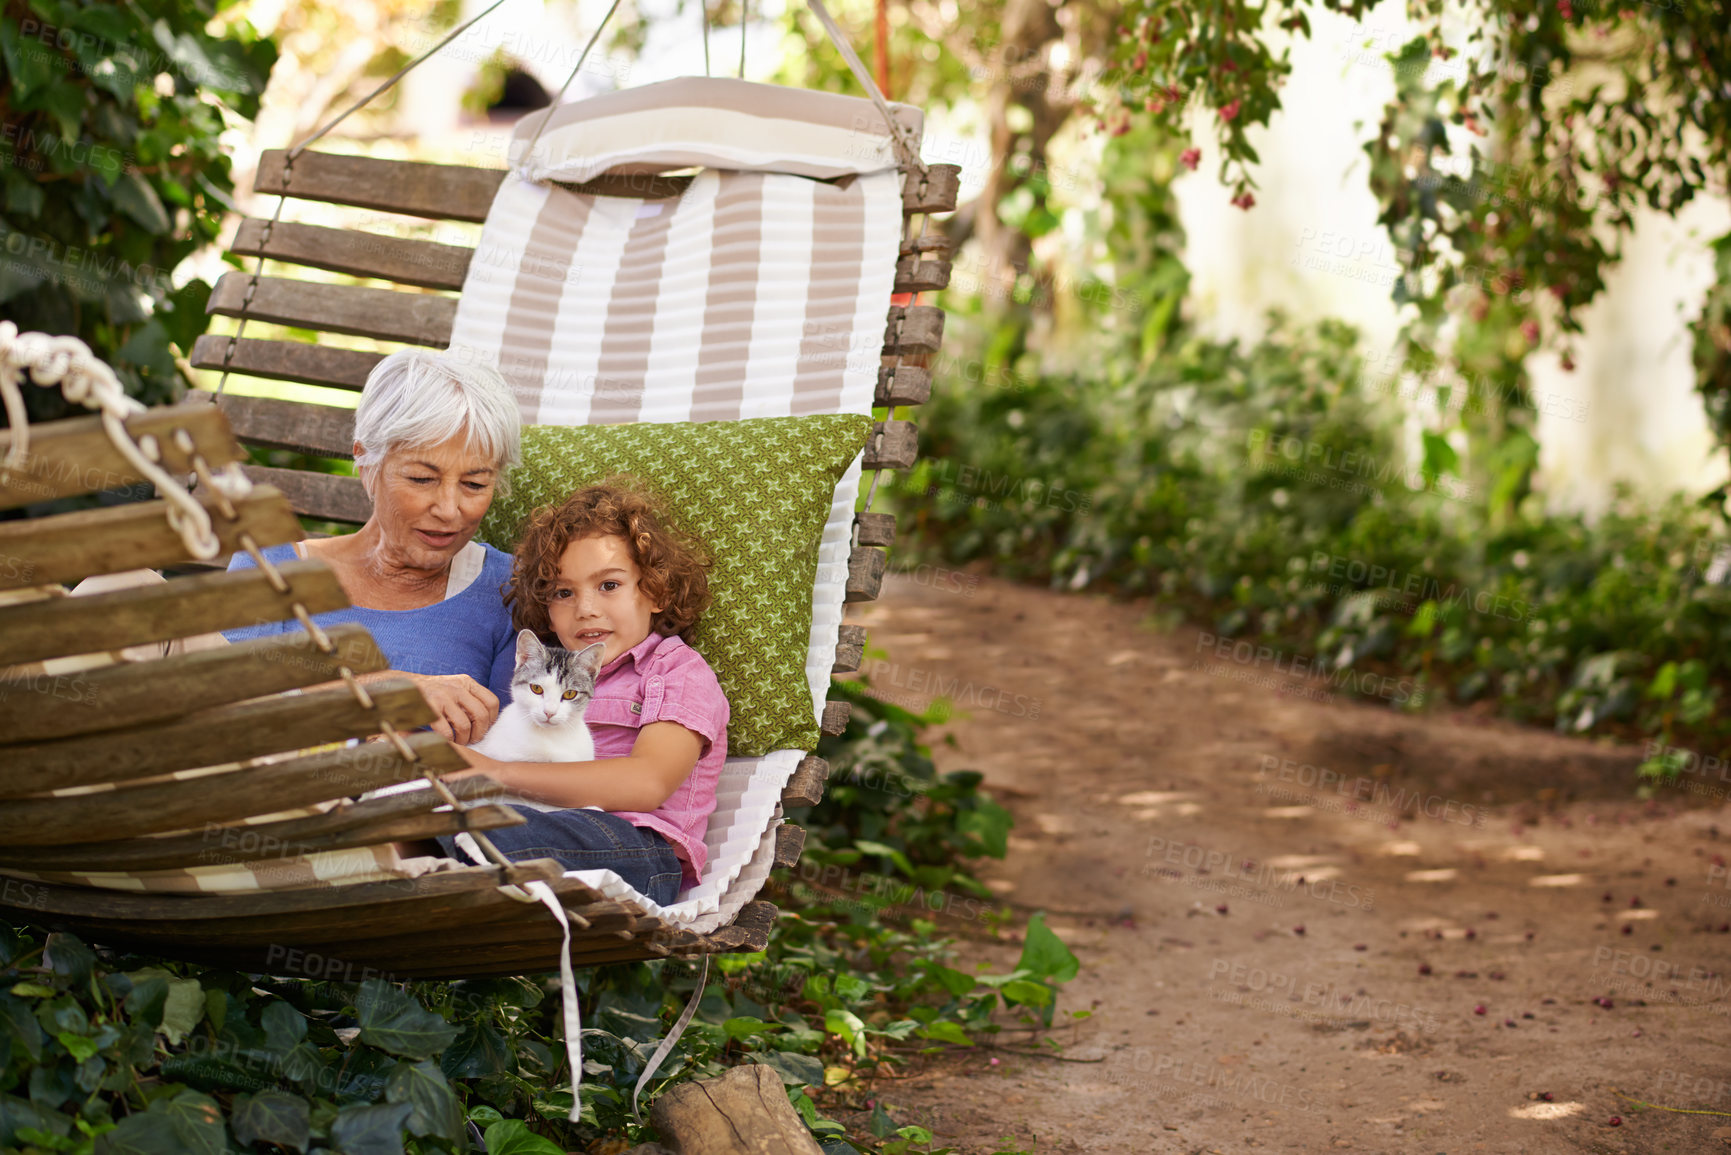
<point x="599" y="598"/>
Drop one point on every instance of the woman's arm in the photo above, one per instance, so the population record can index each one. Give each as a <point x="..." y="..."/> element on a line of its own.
<point x="660" y="761"/>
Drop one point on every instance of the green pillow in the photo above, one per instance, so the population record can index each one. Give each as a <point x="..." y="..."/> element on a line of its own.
<point x="757" y="492"/>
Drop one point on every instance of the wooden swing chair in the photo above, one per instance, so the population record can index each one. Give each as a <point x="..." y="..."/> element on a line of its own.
<point x="130" y="767"/>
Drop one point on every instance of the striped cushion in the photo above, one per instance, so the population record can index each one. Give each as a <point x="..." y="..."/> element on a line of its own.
<point x="709" y="122"/>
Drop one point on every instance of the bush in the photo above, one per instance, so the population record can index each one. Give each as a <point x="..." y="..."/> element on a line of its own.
<point x="1266" y="493"/>
<point x="114" y="172"/>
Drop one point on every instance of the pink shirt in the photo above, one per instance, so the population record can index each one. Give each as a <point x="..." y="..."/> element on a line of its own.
<point x="661" y="679"/>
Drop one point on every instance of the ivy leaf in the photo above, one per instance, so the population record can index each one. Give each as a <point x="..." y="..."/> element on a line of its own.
<point x="68" y="957"/>
<point x="393" y="1021"/>
<point x="134" y="196"/>
<point x="372" y="1130"/>
<point x="1029" y="994"/>
<point x="275" y="1117"/>
<point x="284" y="1027"/>
<point x="188" y="1124"/>
<point x="513" y="1137"/>
<point x="849" y="1026"/>
<point x="80" y="1047"/>
<point x="990" y="823"/>
<point x="1044" y="954"/>
<point x="435" y="1111"/>
<point x="947" y="1032"/>
<point x="24" y="197"/>
<point x="182" y="1010"/>
<point x="15" y="1015"/>
<point x="28" y="62"/>
<point x="478" y="1051"/>
<point x="795" y="1070"/>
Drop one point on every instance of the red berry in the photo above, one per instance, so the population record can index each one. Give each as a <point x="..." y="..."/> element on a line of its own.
<point x="1615" y="1120"/>
<point x="1424" y="968"/>
<point x="1627" y="929"/>
<point x="1190" y="158"/>
<point x="1298" y="929"/>
<point x="1221" y="909"/>
<point x="1229" y="111"/>
<point x="1479" y="1010"/>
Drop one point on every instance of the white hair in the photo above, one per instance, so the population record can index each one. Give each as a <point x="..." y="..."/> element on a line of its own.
<point x="424" y="397"/>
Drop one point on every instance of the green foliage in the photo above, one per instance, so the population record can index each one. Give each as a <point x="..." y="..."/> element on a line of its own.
<point x="1265" y="493"/>
<point x="109" y="1054"/>
<point x="114" y="172"/>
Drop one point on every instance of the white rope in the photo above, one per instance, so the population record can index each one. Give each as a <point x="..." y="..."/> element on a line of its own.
<point x="666" y="1046"/>
<point x="83" y="378"/>
<point x="900" y="135"/>
<point x="704" y="4"/>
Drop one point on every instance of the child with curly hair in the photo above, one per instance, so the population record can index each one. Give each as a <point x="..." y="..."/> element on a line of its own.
<point x="606" y="567"/>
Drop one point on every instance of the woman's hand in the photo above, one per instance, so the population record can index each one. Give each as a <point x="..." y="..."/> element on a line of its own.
<point x="466" y="709"/>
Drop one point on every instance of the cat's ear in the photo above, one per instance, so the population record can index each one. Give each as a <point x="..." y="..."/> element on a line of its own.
<point x="589" y="658"/>
<point x="529" y="647"/>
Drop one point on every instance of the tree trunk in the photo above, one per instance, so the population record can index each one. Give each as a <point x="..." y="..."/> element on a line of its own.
<point x="745" y="1112"/>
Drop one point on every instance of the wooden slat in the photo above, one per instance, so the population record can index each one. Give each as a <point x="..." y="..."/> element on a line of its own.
<point x="936" y="243"/>
<point x="439" y="191"/>
<point x="849" y="649"/>
<point x="72" y="546"/>
<point x="899" y="385"/>
<point x="75" y="456"/>
<point x="393" y="818"/>
<point x="865" y="574"/>
<point x="209" y="737"/>
<point x="835" y="716"/>
<point x="789" y="842"/>
<point x="749" y="931"/>
<point x="287" y="360"/>
<point x="134" y="693"/>
<point x="805" y="788"/>
<point x="385" y="314"/>
<point x="156" y="613"/>
<point x="937" y="192"/>
<point x="899" y="447"/>
<point x="276" y="916"/>
<point x="180" y="804"/>
<point x="908" y="329"/>
<point x="321" y="430"/>
<point x="922" y="274"/>
<point x="406" y="260"/>
<point x="876" y="528"/>
<point x="328" y="496"/>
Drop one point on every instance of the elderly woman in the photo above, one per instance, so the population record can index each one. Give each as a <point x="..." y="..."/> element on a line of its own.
<point x="433" y="438"/>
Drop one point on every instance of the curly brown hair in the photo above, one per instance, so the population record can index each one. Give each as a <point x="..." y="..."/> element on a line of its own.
<point x="674" y="564"/>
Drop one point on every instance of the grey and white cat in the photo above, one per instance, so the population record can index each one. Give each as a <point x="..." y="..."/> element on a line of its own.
<point x="550" y="692"/>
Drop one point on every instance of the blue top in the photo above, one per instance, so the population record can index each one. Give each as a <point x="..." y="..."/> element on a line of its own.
<point x="469" y="633"/>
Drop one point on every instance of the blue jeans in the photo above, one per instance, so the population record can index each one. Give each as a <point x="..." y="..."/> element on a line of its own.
<point x="589" y="840"/>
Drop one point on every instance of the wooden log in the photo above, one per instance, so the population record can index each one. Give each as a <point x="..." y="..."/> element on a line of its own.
<point x="134" y="693"/>
<point x="876" y="528"/>
<point x="936" y="192"/>
<point x="898" y="448"/>
<point x="286" y="360"/>
<point x="910" y="329"/>
<point x="744" y="1112"/>
<point x="326" y="496"/>
<point x="920" y="273"/>
<point x="406" y="260"/>
<point x="73" y="546"/>
<point x="899" y="385"/>
<point x="865" y="574"/>
<point x="211" y="800"/>
<point x="385" y="314"/>
<point x="210" y="737"/>
<point x="158" y="612"/>
<point x="849" y="649"/>
<point x="321" y="430"/>
<point x="75" y="456"/>
<point x="835" y="716"/>
<point x="749" y="930"/>
<point x="789" y="842"/>
<point x="805" y="788"/>
<point x="372" y="823"/>
<point x="438" y="191"/>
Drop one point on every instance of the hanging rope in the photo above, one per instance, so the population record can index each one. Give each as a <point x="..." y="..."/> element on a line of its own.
<point x="704" y="4"/>
<point x="901" y="137"/>
<point x="68" y="364"/>
<point x="744" y="20"/>
<point x="529" y="150"/>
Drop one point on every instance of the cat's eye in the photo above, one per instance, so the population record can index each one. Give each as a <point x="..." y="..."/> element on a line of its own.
<point x="569" y="694"/>
<point x="534" y="687"/>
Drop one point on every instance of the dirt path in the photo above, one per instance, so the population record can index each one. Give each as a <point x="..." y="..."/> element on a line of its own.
<point x="1166" y="815"/>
